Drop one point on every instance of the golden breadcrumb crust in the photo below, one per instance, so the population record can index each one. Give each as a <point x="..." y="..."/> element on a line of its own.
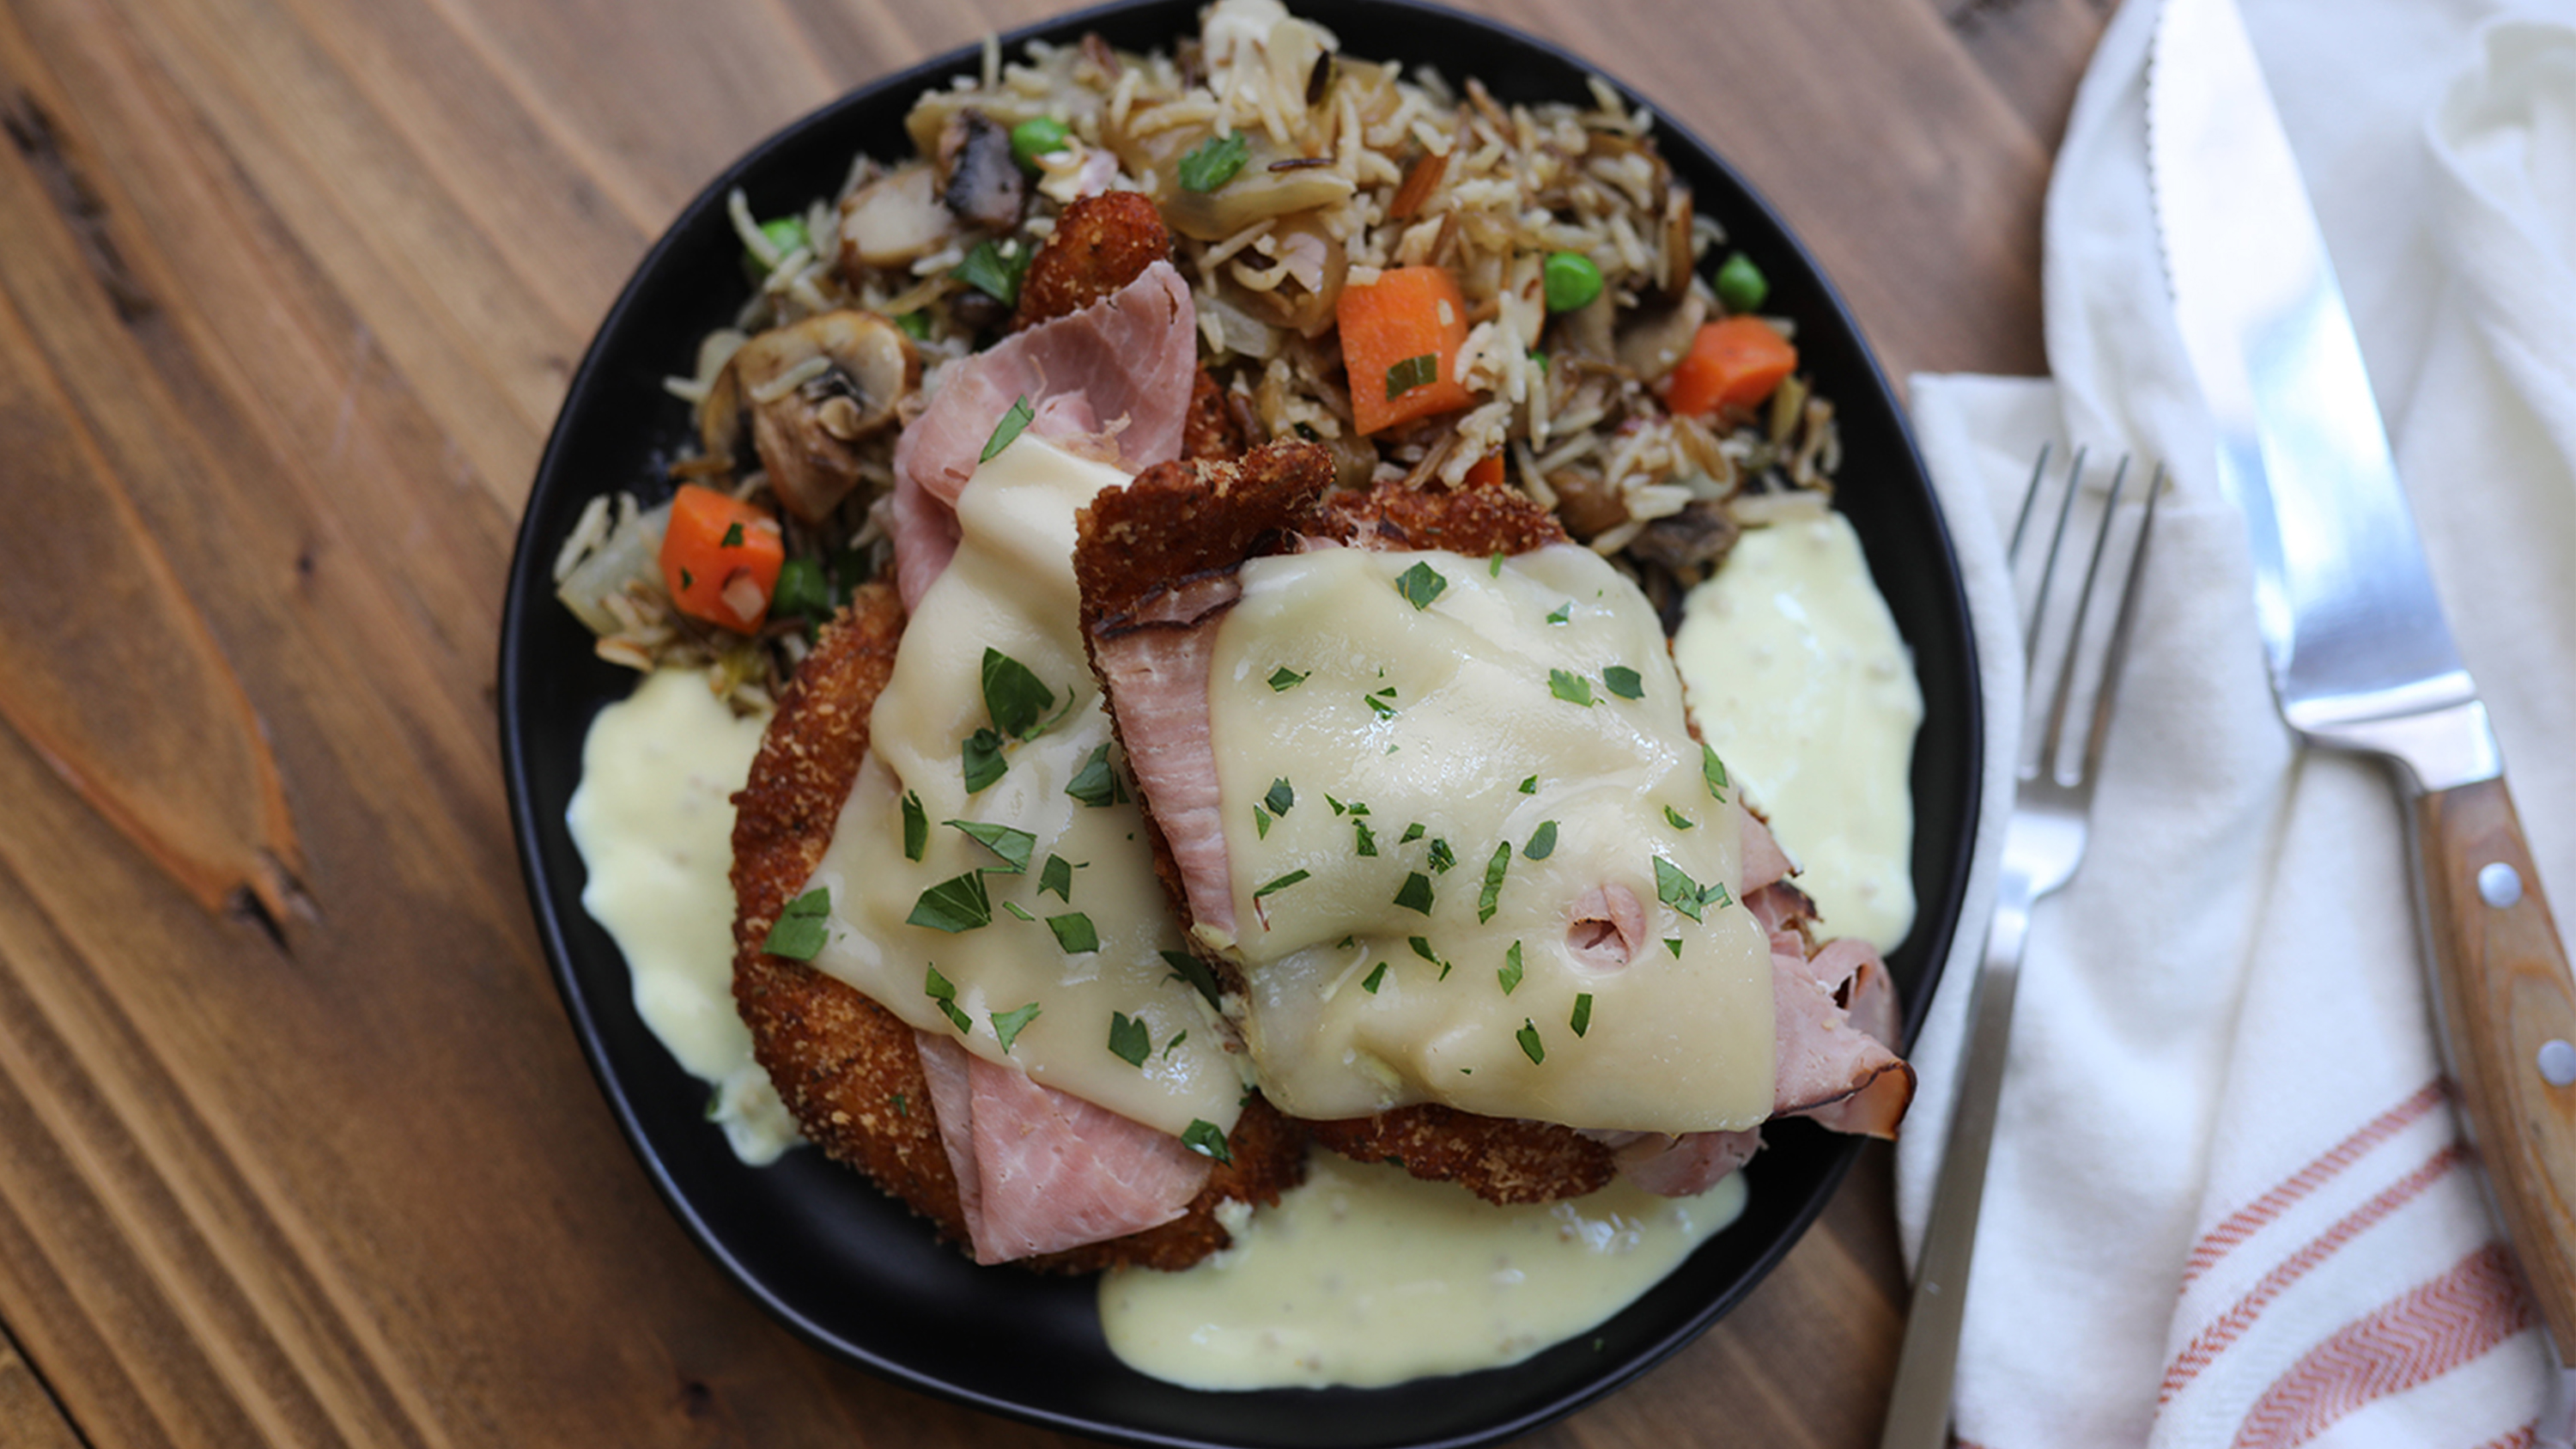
<point x="847" y="1068"/>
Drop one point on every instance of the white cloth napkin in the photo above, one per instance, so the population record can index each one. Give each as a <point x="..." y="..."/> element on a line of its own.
<point x="2229" y="1203"/>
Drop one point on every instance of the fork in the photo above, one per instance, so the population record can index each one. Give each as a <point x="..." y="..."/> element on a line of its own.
<point x="2043" y="845"/>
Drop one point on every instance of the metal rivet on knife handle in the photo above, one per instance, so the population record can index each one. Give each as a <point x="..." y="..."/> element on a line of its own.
<point x="2557" y="1061"/>
<point x="2507" y="1005"/>
<point x="2499" y="884"/>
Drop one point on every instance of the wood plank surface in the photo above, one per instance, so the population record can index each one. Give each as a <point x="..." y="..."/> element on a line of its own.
<point x="295" y="1144"/>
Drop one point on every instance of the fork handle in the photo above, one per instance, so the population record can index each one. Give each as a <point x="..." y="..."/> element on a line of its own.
<point x="2508" y="1013"/>
<point x="1918" y="1410"/>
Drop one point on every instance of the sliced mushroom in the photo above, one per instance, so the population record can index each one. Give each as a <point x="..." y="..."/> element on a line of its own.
<point x="983" y="184"/>
<point x="815" y="390"/>
<point x="1654" y="338"/>
<point x="894" y="221"/>
<point x="1272" y="182"/>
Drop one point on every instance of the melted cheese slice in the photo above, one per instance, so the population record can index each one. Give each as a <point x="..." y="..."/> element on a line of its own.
<point x="1011" y="589"/>
<point x="1448" y="808"/>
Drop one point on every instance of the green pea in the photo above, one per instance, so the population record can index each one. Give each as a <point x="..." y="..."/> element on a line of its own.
<point x="1741" y="287"/>
<point x="1571" y="281"/>
<point x="785" y="235"/>
<point x="1035" y="137"/>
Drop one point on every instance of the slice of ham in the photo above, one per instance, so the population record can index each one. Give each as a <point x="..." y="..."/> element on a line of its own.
<point x="1110" y="381"/>
<point x="1040" y="1171"/>
<point x="1609" y="925"/>
<point x="1157" y="671"/>
<point x="1683" y="1166"/>
<point x="1828" y="1067"/>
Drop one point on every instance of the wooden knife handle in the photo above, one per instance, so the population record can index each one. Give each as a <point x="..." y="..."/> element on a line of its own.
<point x="2508" y="1011"/>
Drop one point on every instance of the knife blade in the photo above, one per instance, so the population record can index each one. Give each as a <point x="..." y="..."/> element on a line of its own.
<point x="2360" y="657"/>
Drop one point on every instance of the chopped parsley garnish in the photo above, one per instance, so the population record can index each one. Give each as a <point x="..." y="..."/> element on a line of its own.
<point x="1338" y="807"/>
<point x="1674" y="945"/>
<point x="1442" y="857"/>
<point x="732" y="537"/>
<point x="1206" y="1139"/>
<point x="1382" y="702"/>
<point x="1359" y="807"/>
<point x="1284" y="679"/>
<point x="956" y="904"/>
<point x="1014" y="697"/>
<point x="1281" y="884"/>
<point x="1173" y="1045"/>
<point x="1009" y="845"/>
<point x="1415" y="893"/>
<point x="1562" y="613"/>
<point x="1420" y="585"/>
<point x="981" y="758"/>
<point x="1422" y="947"/>
<point x="996" y="273"/>
<point x="1510" y="974"/>
<point x="1581" y="1021"/>
<point x="1530" y="785"/>
<point x="937" y="988"/>
<point x="1074" y="932"/>
<point x="687" y="581"/>
<point x="1376" y="979"/>
<point x="1129" y="1041"/>
<point x="1624" y="682"/>
<point x="1214" y="162"/>
<point x="1260" y="822"/>
<point x="1057" y="876"/>
<point x="1009" y="1024"/>
<point x="1367" y="841"/>
<point x="1490" y="898"/>
<point x="1411" y="834"/>
<point x="1542" y="841"/>
<point x="1096" y="784"/>
<point x="1018" y="910"/>
<point x="1280" y="797"/>
<point x="1679" y="820"/>
<point x="1531" y="1046"/>
<point x="1572" y="688"/>
<point x="1189" y="968"/>
<point x="1676" y="889"/>
<point x="1713" y="770"/>
<point x="802" y="926"/>
<point x="916" y="826"/>
<point x="1411" y="373"/>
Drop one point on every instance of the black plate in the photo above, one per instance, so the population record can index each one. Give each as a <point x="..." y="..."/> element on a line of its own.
<point x="820" y="1247"/>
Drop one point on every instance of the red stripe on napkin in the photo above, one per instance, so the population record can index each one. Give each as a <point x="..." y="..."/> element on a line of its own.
<point x="2424" y="1333"/>
<point x="2243" y="1223"/>
<point x="2209" y="1342"/>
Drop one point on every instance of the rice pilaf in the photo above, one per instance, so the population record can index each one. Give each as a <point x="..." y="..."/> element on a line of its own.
<point x="1290" y="176"/>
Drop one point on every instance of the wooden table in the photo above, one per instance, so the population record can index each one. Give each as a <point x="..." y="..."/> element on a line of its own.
<point x="295" y="1144"/>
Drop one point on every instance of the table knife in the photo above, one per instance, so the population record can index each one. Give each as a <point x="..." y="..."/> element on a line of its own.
<point x="2360" y="657"/>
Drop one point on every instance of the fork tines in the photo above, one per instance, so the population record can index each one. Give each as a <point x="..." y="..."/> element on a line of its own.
<point x="2073" y="651"/>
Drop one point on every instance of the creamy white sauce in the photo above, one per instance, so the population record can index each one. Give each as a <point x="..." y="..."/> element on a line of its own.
<point x="1365" y="1275"/>
<point x="1513" y="731"/>
<point x="1798" y="677"/>
<point x="653" y="819"/>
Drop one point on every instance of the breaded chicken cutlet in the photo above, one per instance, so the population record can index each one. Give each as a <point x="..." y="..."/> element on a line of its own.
<point x="849" y="1070"/>
<point x="1143" y="547"/>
